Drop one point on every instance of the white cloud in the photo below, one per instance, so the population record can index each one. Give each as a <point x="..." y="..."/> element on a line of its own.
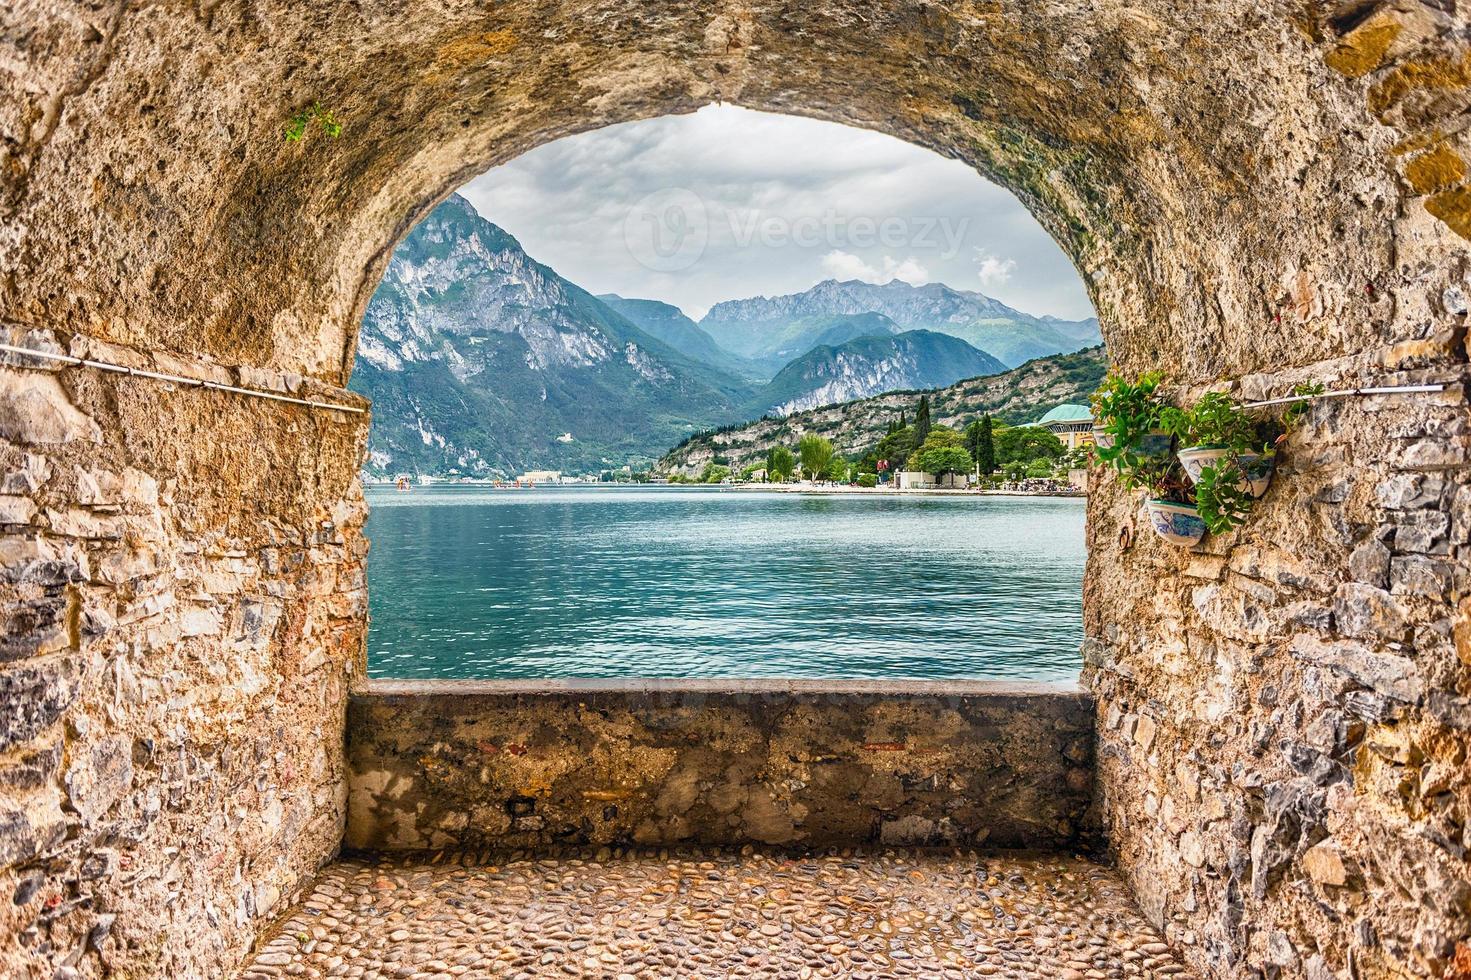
<point x="567" y="202"/>
<point x="993" y="271"/>
<point x="838" y="264"/>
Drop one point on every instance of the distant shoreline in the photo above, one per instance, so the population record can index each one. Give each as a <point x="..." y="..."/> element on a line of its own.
<point x="894" y="491"/>
<point x="794" y="488"/>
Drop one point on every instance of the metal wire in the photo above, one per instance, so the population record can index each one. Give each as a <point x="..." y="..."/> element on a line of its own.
<point x="272" y="396"/>
<point x="1346" y="392"/>
<point x="174" y="378"/>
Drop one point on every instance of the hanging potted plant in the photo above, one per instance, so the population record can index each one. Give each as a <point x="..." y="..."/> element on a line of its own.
<point x="1216" y="433"/>
<point x="1228" y="455"/>
<point x="1130" y="438"/>
<point x="1126" y="420"/>
<point x="1169" y="504"/>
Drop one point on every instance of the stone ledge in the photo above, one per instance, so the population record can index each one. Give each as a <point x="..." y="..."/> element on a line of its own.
<point x="478" y="764"/>
<point x="899" y="686"/>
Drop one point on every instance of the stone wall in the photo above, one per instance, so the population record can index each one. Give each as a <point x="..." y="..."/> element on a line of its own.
<point x="182" y="592"/>
<point x="1283" y="712"/>
<point x="513" y="764"/>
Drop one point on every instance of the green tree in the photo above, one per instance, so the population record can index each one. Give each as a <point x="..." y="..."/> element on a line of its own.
<point x="943" y="452"/>
<point x="1023" y="443"/>
<point x="839" y="470"/>
<point x="816" y="453"/>
<point x="939" y="438"/>
<point x="714" y="473"/>
<point x="780" y="463"/>
<point x="980" y="442"/>
<point x="946" y="459"/>
<point x="922" y="420"/>
<point x="749" y="471"/>
<point x="895" y="448"/>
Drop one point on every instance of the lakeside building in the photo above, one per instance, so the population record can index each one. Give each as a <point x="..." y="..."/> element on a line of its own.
<point x="1071" y="423"/>
<point x="916" y="480"/>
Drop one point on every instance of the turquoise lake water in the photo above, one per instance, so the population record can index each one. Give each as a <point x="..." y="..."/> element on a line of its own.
<point x="469" y="582"/>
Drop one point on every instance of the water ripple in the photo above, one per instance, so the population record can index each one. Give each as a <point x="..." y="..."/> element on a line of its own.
<point x="625" y="582"/>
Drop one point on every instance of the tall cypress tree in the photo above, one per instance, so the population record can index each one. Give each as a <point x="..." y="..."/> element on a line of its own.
<point x="922" y="421"/>
<point x="986" y="448"/>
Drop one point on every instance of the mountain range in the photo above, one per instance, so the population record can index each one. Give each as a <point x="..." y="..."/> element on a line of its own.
<point x="482" y="361"/>
<point x="785" y="325"/>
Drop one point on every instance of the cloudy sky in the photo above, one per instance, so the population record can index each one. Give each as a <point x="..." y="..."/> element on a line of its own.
<point x="727" y="203"/>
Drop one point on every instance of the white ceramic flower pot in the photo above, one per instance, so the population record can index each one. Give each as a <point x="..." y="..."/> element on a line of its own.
<point x="1194" y="459"/>
<point x="1257" y="470"/>
<point x="1179" y="524"/>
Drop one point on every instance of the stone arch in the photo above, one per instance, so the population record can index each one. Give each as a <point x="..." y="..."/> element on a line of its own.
<point x="1254" y="193"/>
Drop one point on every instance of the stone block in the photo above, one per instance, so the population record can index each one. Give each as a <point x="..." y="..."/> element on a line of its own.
<point x="1369" y="563"/>
<point x="18" y="839"/>
<point x="1409" y="491"/>
<point x="1324" y="864"/>
<point x="1192" y="849"/>
<point x="1144" y="732"/>
<point x="99" y="777"/>
<point x="1387" y="674"/>
<point x="718" y="762"/>
<point x="1365" y="611"/>
<point x="200" y="621"/>
<point x="33" y="561"/>
<point x="1423" y="532"/>
<point x="31" y="770"/>
<point x="1420" y="575"/>
<point x="35" y="410"/>
<point x="16" y="510"/>
<point x="33" y="697"/>
<point x="26" y="476"/>
<point x="35" y="627"/>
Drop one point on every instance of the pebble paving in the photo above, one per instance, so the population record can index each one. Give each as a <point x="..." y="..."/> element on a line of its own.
<point x="621" y="914"/>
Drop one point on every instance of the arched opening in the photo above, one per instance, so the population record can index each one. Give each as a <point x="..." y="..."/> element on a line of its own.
<point x="1255" y="196"/>
<point x="673" y="302"/>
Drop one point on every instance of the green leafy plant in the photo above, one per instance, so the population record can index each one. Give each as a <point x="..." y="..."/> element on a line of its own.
<point x="1163" y="479"/>
<point x="1128" y="413"/>
<point x="815" y="454"/>
<point x="1217" y="421"/>
<point x="1293" y="414"/>
<point x="1221" y="499"/>
<point x="780" y="464"/>
<point x="714" y="473"/>
<point x="302" y="120"/>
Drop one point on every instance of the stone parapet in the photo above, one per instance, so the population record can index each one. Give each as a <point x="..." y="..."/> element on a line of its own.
<point x="482" y="764"/>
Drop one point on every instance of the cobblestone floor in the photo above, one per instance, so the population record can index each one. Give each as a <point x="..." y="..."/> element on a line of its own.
<point x="712" y="913"/>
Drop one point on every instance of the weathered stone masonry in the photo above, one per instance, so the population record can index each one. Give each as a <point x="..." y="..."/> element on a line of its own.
<point x="1255" y="193"/>
<point x="182" y="578"/>
<point x="511" y="764"/>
